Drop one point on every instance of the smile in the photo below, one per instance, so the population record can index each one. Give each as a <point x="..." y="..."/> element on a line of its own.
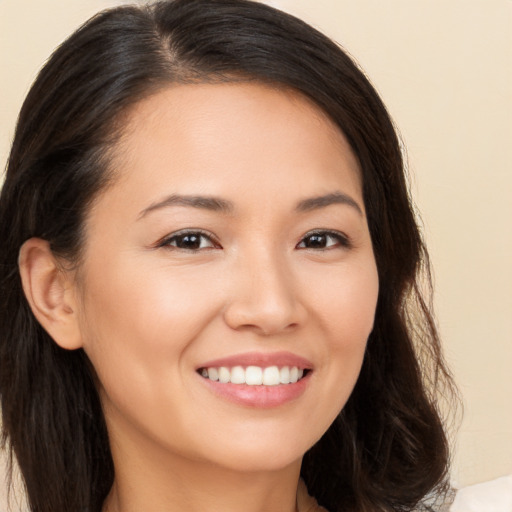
<point x="257" y="380"/>
<point x="254" y="375"/>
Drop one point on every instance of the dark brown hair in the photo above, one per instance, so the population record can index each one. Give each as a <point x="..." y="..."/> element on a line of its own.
<point x="387" y="448"/>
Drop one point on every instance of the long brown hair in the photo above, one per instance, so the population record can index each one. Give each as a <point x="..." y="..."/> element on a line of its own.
<point x="387" y="448"/>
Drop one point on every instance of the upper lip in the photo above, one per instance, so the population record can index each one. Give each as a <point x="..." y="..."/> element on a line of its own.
<point x="261" y="359"/>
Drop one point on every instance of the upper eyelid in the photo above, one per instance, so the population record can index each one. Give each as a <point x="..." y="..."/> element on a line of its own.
<point x="332" y="232"/>
<point x="324" y="232"/>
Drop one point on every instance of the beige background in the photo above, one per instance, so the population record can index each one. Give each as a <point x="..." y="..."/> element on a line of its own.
<point x="444" y="69"/>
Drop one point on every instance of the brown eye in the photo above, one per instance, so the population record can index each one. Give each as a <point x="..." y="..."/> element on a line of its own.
<point x="323" y="240"/>
<point x="189" y="241"/>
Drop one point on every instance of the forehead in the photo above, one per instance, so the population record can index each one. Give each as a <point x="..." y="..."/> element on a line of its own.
<point x="219" y="138"/>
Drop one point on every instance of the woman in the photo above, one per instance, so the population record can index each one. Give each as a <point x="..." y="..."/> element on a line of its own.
<point x="209" y="275"/>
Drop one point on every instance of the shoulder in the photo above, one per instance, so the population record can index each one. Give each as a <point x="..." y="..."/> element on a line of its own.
<point x="436" y="502"/>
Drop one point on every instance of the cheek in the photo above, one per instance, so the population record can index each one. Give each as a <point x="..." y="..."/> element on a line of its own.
<point x="136" y="321"/>
<point x="139" y="331"/>
<point x="146" y="302"/>
<point x="346" y="302"/>
<point x="345" y="310"/>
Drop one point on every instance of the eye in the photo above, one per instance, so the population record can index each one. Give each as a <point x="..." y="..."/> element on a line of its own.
<point x="323" y="240"/>
<point x="189" y="241"/>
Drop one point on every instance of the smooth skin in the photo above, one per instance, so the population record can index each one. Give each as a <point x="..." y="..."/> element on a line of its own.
<point x="275" y="256"/>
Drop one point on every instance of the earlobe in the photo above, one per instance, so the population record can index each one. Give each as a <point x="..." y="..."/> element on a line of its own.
<point x="49" y="292"/>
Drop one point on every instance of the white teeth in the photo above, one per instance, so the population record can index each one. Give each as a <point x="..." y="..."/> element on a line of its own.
<point x="284" y="375"/>
<point x="254" y="375"/>
<point x="213" y="374"/>
<point x="237" y="375"/>
<point x="271" y="376"/>
<point x="224" y="375"/>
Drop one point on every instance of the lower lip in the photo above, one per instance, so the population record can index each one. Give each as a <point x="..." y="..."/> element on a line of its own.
<point x="262" y="397"/>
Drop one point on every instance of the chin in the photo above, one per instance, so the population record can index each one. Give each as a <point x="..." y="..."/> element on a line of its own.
<point x="261" y="463"/>
<point x="260" y="455"/>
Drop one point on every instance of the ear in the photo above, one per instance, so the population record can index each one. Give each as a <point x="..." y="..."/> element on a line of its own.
<point x="50" y="292"/>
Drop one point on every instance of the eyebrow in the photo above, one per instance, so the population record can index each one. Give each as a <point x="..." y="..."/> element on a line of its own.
<point x="216" y="204"/>
<point x="315" y="203"/>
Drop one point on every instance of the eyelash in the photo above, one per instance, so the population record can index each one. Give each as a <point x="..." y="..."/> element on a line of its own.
<point x="341" y="240"/>
<point x="166" y="242"/>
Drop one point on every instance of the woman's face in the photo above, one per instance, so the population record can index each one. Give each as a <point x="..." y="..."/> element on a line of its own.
<point x="232" y="245"/>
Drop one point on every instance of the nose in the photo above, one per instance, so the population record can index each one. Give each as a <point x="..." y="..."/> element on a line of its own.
<point x="264" y="297"/>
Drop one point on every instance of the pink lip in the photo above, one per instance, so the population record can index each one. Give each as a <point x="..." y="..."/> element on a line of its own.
<point x="259" y="359"/>
<point x="261" y="397"/>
